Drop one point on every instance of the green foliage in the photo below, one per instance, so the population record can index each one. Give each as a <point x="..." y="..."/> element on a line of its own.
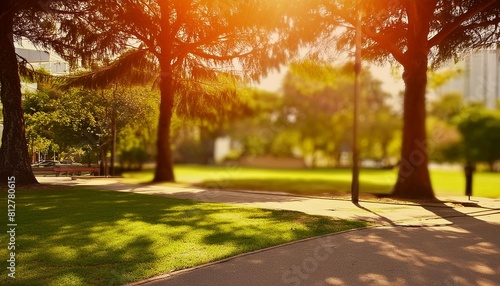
<point x="447" y="106"/>
<point x="258" y="130"/>
<point x="444" y="138"/>
<point x="75" y="122"/>
<point x="463" y="133"/>
<point x="55" y="120"/>
<point x="480" y="131"/>
<point x="318" y="100"/>
<point x="133" y="158"/>
<point x="208" y="110"/>
<point x="440" y="78"/>
<point x="284" y="143"/>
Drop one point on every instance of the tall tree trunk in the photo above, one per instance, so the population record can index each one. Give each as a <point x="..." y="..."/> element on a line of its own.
<point x="413" y="177"/>
<point x="164" y="160"/>
<point x="14" y="155"/>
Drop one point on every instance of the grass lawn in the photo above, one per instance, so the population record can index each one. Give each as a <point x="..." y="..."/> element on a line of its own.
<point x="319" y="181"/>
<point x="81" y="236"/>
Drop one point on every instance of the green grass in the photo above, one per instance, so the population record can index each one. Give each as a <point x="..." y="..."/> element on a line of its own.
<point x="319" y="181"/>
<point x="82" y="236"/>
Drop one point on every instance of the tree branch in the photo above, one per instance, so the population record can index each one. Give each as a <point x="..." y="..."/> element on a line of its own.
<point x="452" y="26"/>
<point x="478" y="25"/>
<point x="390" y="47"/>
<point x="182" y="12"/>
<point x="186" y="48"/>
<point x="200" y="53"/>
<point x="385" y="44"/>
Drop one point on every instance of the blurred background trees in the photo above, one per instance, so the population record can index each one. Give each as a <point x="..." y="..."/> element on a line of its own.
<point x="77" y="125"/>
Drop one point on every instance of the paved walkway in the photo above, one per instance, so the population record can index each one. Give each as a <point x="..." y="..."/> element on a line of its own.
<point x="453" y="243"/>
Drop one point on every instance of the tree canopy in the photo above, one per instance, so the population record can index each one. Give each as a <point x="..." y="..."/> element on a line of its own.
<point x="480" y="130"/>
<point x="418" y="35"/>
<point x="192" y="42"/>
<point x="319" y="98"/>
<point x="61" y="25"/>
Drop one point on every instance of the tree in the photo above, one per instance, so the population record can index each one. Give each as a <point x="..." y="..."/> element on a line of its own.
<point x="91" y="121"/>
<point x="55" y="120"/>
<point x="418" y="35"/>
<point x="260" y="130"/>
<point x="447" y="106"/>
<point x="318" y="96"/>
<point x="438" y="78"/>
<point x="480" y="130"/>
<point x="14" y="158"/>
<point x="192" y="41"/>
<point x="116" y="110"/>
<point x="58" y="24"/>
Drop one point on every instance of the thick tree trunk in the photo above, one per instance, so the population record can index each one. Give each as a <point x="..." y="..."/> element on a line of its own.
<point x="164" y="160"/>
<point x="413" y="177"/>
<point x="14" y="155"/>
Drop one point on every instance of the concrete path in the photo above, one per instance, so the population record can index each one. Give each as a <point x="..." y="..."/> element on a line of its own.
<point x="453" y="243"/>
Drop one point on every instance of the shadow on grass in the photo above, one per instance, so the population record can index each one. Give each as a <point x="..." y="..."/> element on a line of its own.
<point x="78" y="236"/>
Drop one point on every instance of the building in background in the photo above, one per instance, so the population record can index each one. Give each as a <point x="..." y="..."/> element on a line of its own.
<point x="44" y="60"/>
<point x="479" y="81"/>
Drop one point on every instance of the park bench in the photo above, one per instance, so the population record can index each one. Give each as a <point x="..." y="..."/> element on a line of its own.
<point x="65" y="171"/>
<point x="71" y="171"/>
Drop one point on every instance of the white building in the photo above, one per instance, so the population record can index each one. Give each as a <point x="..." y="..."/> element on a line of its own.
<point x="480" y="80"/>
<point x="44" y="60"/>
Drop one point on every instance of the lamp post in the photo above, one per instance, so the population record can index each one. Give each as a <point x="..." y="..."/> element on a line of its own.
<point x="357" y="89"/>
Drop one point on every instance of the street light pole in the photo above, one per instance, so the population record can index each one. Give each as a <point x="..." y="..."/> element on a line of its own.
<point x="357" y="89"/>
